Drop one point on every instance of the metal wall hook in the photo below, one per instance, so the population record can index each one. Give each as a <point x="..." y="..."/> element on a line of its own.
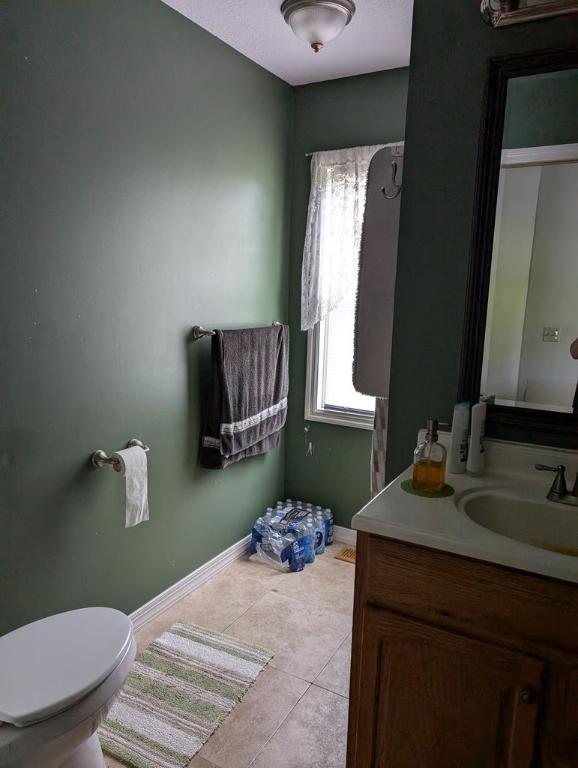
<point x="396" y="186"/>
<point x="102" y="459"/>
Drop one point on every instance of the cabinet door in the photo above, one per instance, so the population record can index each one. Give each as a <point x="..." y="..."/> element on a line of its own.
<point x="559" y="730"/>
<point x="429" y="698"/>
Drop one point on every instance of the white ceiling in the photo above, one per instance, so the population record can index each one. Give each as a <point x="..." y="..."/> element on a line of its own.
<point x="377" y="38"/>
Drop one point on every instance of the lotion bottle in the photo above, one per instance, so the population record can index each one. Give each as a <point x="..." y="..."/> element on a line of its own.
<point x="458" y="453"/>
<point x="476" y="455"/>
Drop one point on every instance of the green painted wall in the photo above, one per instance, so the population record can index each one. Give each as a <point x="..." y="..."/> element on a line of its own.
<point x="341" y="113"/>
<point x="144" y="173"/>
<point x="450" y="49"/>
<point x="146" y="187"/>
<point x="542" y="110"/>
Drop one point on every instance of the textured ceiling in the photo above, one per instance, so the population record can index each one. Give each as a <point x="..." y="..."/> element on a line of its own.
<point x="378" y="37"/>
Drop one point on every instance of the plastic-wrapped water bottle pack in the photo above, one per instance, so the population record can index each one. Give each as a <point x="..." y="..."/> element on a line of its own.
<point x="291" y="535"/>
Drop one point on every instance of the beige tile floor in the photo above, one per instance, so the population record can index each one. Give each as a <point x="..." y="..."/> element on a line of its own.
<point x="295" y="716"/>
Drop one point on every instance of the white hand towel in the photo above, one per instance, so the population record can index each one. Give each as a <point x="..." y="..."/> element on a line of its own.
<point x="133" y="463"/>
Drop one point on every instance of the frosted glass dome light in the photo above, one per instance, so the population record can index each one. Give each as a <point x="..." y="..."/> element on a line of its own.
<point x="318" y="22"/>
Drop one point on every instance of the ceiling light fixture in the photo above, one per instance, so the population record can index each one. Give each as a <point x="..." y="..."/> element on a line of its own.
<point x="318" y="22"/>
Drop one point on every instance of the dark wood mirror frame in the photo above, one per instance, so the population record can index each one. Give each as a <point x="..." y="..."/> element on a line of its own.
<point x="502" y="420"/>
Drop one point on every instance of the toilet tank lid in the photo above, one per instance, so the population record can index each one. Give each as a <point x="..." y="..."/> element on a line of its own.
<point x="46" y="666"/>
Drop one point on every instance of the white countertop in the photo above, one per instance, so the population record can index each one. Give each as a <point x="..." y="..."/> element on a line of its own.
<point x="442" y="524"/>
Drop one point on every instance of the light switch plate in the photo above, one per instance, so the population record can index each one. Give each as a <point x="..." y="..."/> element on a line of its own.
<point x="550" y="334"/>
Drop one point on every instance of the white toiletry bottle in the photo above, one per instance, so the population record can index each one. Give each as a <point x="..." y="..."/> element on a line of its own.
<point x="458" y="453"/>
<point x="476" y="456"/>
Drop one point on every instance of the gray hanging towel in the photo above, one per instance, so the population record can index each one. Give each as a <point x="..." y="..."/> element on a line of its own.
<point x="377" y="269"/>
<point x="247" y="405"/>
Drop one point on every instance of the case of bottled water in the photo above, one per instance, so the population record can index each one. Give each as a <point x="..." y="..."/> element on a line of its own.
<point x="291" y="534"/>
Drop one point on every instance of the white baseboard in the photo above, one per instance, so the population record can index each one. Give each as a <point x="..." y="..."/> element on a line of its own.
<point x="173" y="594"/>
<point x="344" y="535"/>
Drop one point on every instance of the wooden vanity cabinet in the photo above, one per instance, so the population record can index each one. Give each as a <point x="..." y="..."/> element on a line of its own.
<point x="460" y="664"/>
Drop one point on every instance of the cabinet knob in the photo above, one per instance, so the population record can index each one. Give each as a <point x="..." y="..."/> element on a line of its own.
<point x="528" y="696"/>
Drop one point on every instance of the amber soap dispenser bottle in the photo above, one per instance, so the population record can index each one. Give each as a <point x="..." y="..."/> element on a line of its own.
<point x="429" y="461"/>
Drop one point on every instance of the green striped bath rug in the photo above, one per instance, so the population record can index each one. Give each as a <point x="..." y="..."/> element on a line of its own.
<point x="178" y="692"/>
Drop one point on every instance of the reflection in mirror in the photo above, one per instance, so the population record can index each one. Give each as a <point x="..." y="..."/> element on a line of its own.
<point x="531" y="342"/>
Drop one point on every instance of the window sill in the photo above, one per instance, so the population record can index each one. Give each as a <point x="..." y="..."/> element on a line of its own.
<point x="341" y="418"/>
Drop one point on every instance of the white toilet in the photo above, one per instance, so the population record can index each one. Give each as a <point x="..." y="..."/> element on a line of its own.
<point x="58" y="679"/>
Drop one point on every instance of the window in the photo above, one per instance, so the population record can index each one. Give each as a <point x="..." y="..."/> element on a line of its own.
<point x="330" y="262"/>
<point x="330" y="395"/>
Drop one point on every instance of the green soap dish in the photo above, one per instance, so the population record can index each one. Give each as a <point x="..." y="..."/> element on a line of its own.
<point x="447" y="490"/>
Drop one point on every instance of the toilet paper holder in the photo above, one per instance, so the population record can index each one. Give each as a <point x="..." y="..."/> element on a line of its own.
<point x="102" y="459"/>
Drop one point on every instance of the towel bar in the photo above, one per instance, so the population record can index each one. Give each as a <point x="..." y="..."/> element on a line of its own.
<point x="199" y="332"/>
<point x="102" y="459"/>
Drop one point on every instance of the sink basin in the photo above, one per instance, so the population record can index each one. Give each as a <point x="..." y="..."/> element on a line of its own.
<point x="544" y="525"/>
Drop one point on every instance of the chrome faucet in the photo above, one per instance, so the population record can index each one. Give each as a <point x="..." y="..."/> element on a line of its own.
<point x="559" y="490"/>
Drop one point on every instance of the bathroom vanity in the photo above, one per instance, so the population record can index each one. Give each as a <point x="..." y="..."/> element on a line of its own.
<point x="465" y="641"/>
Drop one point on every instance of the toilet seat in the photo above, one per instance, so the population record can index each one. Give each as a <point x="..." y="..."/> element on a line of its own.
<point x="47" y="666"/>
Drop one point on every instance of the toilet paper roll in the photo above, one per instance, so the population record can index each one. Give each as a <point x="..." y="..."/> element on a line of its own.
<point x="133" y="463"/>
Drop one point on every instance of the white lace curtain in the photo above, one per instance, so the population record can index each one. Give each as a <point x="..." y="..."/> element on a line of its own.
<point x="334" y="225"/>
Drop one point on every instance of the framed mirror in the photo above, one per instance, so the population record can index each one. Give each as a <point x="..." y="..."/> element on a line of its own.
<point x="521" y="328"/>
<point x="504" y="13"/>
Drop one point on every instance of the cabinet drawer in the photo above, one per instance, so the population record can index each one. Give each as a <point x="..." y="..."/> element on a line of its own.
<point x="490" y="601"/>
